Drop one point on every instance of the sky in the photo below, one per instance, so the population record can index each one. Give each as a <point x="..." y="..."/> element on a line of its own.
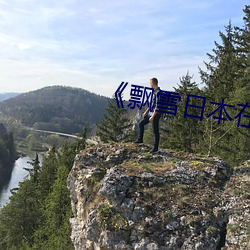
<point x="97" y="44"/>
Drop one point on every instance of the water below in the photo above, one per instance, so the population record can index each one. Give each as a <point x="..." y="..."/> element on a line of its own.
<point x="17" y="175"/>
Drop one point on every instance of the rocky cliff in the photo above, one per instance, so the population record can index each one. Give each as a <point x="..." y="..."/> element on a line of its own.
<point x="125" y="198"/>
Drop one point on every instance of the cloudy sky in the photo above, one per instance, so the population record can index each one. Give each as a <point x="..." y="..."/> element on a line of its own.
<point x="97" y="44"/>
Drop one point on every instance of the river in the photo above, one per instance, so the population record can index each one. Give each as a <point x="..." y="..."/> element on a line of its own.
<point x="17" y="175"/>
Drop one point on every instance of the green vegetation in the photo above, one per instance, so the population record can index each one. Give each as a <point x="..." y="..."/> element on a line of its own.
<point x="233" y="227"/>
<point x="115" y="125"/>
<point x="226" y="76"/>
<point x="167" y="215"/>
<point x="57" y="108"/>
<point x="147" y="155"/>
<point x="7" y="147"/>
<point x="96" y="177"/>
<point x="111" y="219"/>
<point x="37" y="216"/>
<point x="248" y="228"/>
<point x="213" y="231"/>
<point x="7" y="154"/>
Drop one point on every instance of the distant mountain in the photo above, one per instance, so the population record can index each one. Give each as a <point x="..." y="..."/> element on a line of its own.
<point x="56" y="108"/>
<point x="5" y="96"/>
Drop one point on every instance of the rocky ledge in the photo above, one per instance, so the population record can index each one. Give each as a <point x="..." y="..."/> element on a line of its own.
<point x="126" y="198"/>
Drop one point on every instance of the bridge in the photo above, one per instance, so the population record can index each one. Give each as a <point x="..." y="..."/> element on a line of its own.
<point x="62" y="134"/>
<point x="55" y="133"/>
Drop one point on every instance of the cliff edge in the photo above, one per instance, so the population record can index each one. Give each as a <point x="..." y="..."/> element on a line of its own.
<point x="125" y="198"/>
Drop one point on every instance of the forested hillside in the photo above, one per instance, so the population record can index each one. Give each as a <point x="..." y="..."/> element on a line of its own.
<point x="5" y="96"/>
<point x="57" y="108"/>
<point x="7" y="154"/>
<point x="37" y="216"/>
<point x="191" y="184"/>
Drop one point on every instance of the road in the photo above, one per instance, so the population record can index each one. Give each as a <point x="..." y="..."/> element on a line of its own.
<point x="55" y="133"/>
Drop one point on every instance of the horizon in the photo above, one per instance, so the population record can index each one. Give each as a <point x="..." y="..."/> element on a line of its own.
<point x="96" y="46"/>
<point x="49" y="86"/>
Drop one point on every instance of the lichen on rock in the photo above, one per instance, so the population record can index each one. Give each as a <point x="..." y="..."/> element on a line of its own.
<point x="125" y="198"/>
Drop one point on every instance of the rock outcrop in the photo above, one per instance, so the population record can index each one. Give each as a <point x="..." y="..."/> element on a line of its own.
<point x="126" y="198"/>
<point x="236" y="200"/>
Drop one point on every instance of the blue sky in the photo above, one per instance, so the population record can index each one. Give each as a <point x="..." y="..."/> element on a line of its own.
<point x="96" y="45"/>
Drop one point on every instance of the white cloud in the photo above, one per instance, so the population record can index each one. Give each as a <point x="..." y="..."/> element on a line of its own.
<point x="23" y="46"/>
<point x="97" y="44"/>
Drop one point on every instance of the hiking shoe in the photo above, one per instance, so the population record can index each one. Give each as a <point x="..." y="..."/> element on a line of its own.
<point x="138" y="141"/>
<point x="154" y="150"/>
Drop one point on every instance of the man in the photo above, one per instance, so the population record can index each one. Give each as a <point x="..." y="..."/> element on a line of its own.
<point x="153" y="117"/>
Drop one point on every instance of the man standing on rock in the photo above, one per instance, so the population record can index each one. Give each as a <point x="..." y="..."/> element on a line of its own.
<point x="153" y="117"/>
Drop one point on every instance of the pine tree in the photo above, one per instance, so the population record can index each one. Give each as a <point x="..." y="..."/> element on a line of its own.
<point x="221" y="70"/>
<point x="35" y="170"/>
<point x="241" y="95"/>
<point x="55" y="230"/>
<point x="38" y="214"/>
<point x="81" y="143"/>
<point x="184" y="132"/>
<point x="20" y="217"/>
<point x="227" y="76"/>
<point x="115" y="125"/>
<point x="219" y="78"/>
<point x="47" y="174"/>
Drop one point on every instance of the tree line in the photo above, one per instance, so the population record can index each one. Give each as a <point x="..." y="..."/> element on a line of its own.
<point x="8" y="154"/>
<point x="55" y="108"/>
<point x="37" y="216"/>
<point x="226" y="76"/>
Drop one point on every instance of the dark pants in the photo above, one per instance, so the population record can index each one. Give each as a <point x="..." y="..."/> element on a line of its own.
<point x="155" y="126"/>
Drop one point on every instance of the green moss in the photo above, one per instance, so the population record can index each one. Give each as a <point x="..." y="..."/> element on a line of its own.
<point x="148" y="194"/>
<point x="167" y="215"/>
<point x="147" y="155"/>
<point x="233" y="227"/>
<point x="195" y="163"/>
<point x="147" y="166"/>
<point x="246" y="165"/>
<point x="80" y="166"/>
<point x="183" y="202"/>
<point x="110" y="218"/>
<point x="213" y="231"/>
<point x="96" y="177"/>
<point x="174" y="160"/>
<point x="248" y="228"/>
<point x="161" y="196"/>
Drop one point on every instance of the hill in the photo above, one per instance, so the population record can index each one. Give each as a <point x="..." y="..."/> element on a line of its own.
<point x="7" y="155"/>
<point x="56" y="108"/>
<point x="5" y="96"/>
